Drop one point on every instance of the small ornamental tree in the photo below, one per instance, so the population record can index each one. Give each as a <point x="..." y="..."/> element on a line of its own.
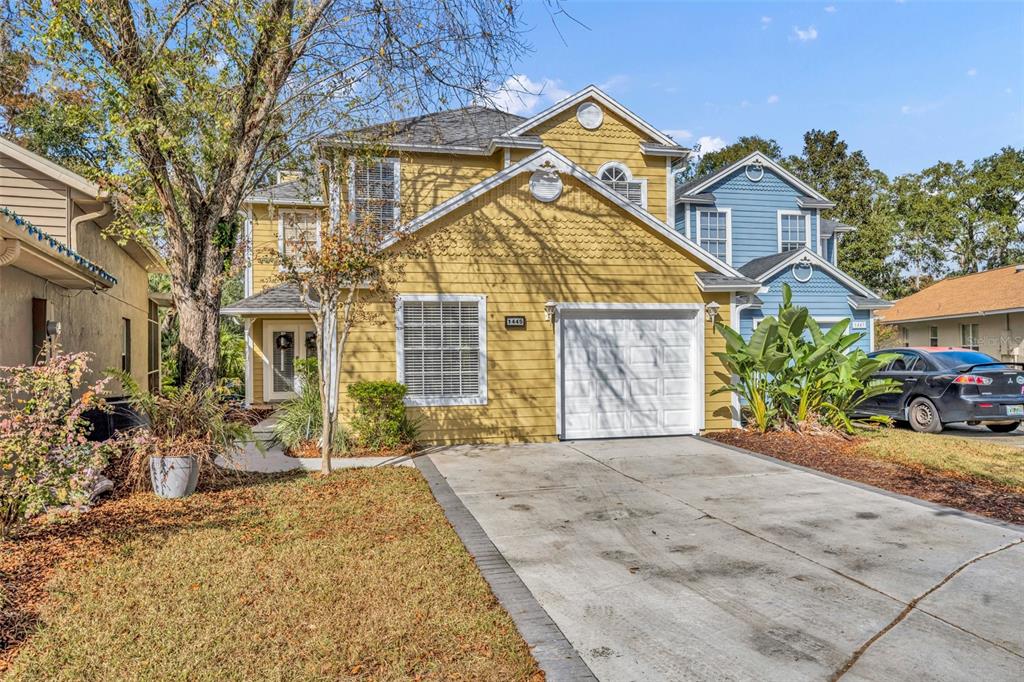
<point x="45" y="457"/>
<point x="343" y="278"/>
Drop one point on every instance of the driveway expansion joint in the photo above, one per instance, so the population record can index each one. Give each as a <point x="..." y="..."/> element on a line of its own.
<point x="555" y="655"/>
<point x="912" y="605"/>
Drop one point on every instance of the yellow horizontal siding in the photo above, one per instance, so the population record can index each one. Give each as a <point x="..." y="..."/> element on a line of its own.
<point x="520" y="253"/>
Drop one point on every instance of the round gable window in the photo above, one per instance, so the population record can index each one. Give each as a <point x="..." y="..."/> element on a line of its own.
<point x="589" y="115"/>
<point x="545" y="185"/>
<point x="802" y="271"/>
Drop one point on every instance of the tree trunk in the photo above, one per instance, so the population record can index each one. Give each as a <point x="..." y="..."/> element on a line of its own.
<point x="327" y="363"/>
<point x="199" y="337"/>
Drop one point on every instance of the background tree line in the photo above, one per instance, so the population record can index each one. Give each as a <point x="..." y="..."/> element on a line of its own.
<point x="948" y="219"/>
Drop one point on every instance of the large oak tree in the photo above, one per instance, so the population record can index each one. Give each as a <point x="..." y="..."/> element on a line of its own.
<point x="203" y="97"/>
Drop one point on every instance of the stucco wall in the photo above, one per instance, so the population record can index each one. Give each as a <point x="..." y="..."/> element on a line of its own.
<point x="90" y="321"/>
<point x="1000" y="335"/>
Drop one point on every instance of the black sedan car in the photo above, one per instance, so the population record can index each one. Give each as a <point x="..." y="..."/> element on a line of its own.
<point x="943" y="385"/>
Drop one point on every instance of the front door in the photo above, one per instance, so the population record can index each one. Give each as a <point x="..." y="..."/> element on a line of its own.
<point x="285" y="345"/>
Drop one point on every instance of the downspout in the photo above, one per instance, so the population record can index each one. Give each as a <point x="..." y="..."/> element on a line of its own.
<point x="75" y="222"/>
<point x="11" y="249"/>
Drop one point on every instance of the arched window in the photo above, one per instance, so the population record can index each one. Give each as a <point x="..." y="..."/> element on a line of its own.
<point x="617" y="176"/>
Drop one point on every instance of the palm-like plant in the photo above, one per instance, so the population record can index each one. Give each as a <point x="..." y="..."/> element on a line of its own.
<point x="791" y="373"/>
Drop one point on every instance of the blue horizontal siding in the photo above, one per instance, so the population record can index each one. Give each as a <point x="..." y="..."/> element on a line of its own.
<point x="822" y="295"/>
<point x="755" y="207"/>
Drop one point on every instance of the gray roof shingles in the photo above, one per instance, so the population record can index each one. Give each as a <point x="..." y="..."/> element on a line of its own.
<point x="757" y="267"/>
<point x="718" y="279"/>
<point x="281" y="297"/>
<point x="300" y="191"/>
<point x="472" y="126"/>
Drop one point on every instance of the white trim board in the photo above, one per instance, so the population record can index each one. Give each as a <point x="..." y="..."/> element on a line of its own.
<point x="564" y="165"/>
<point x="592" y="92"/>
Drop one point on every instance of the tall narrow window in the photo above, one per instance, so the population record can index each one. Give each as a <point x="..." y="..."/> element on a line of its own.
<point x="126" y="344"/>
<point x="442" y="350"/>
<point x="933" y="336"/>
<point x="374" y="192"/>
<point x="297" y="228"/>
<point x="792" y="231"/>
<point x="618" y="178"/>
<point x="969" y="336"/>
<point x="713" y="232"/>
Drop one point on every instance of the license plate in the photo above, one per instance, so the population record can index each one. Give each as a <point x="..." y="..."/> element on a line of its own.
<point x="1015" y="410"/>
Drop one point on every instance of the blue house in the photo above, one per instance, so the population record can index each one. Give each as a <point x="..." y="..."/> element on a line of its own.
<point x="765" y="222"/>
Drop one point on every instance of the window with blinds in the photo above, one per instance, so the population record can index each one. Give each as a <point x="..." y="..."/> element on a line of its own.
<point x="298" y="228"/>
<point x="619" y="179"/>
<point x="441" y="350"/>
<point x="375" y="192"/>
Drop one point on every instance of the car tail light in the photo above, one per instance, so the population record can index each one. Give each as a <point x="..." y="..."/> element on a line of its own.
<point x="973" y="379"/>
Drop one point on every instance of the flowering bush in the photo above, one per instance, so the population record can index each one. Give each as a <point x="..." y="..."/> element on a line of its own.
<point x="45" y="457"/>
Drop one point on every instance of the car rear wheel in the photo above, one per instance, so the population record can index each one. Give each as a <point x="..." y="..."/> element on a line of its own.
<point x="923" y="416"/>
<point x="1003" y="428"/>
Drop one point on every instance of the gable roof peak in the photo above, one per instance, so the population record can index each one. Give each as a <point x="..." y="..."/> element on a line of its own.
<point x="592" y="92"/>
<point x="699" y="184"/>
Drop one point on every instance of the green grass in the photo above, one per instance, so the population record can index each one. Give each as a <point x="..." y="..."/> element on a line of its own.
<point x="970" y="458"/>
<point x="353" y="576"/>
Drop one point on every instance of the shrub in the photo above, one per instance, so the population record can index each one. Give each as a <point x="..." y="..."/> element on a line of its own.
<point x="380" y="420"/>
<point x="45" y="456"/>
<point x="187" y="421"/>
<point x="300" y="420"/>
<point x="792" y="375"/>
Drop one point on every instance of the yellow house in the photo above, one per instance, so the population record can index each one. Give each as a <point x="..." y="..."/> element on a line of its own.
<point x="60" y="279"/>
<point x="548" y="298"/>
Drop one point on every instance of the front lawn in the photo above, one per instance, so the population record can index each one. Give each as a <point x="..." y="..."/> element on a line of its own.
<point x="356" y="575"/>
<point x="973" y="475"/>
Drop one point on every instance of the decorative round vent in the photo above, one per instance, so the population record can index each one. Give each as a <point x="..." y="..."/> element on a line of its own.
<point x="754" y="171"/>
<point x="545" y="185"/>
<point x="802" y="271"/>
<point x="589" y="115"/>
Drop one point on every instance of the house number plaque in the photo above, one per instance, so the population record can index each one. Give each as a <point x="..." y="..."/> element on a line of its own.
<point x="515" y="322"/>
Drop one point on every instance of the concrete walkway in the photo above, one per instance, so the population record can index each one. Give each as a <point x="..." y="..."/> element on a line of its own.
<point x="677" y="558"/>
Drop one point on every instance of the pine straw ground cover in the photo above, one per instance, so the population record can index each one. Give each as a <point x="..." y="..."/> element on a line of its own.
<point x="353" y="576"/>
<point x="973" y="475"/>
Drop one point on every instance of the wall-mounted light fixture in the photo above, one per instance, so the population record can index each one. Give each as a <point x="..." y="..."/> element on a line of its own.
<point x="549" y="311"/>
<point x="711" y="310"/>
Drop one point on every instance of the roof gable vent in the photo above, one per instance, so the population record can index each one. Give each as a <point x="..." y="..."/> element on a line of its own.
<point x="545" y="185"/>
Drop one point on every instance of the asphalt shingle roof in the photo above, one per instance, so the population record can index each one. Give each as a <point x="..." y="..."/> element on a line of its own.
<point x="869" y="302"/>
<point x="718" y="279"/>
<point x="757" y="267"/>
<point x="303" y="190"/>
<point x="980" y="292"/>
<point x="472" y="126"/>
<point x="281" y="297"/>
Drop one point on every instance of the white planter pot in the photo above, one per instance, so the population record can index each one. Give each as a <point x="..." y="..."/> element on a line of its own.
<point x="174" y="477"/>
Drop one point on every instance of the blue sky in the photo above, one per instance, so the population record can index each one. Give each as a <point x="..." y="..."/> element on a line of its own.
<point x="910" y="83"/>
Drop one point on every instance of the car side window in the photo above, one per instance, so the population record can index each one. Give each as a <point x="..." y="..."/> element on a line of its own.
<point x="912" y="362"/>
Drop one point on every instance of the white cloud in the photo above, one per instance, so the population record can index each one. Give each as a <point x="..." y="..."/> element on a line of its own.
<point x="765" y="22"/>
<point x="709" y="144"/>
<point x="744" y="104"/>
<point x="520" y="94"/>
<point x="678" y="134"/>
<point x="772" y="99"/>
<point x="805" y="35"/>
<point x="972" y="72"/>
<point x="831" y="9"/>
<point x="614" y="82"/>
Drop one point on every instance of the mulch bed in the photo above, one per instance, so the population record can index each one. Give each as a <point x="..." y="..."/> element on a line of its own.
<point x="249" y="415"/>
<point x="841" y="458"/>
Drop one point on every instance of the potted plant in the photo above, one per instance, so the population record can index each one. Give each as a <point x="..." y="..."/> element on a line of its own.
<point x="186" y="430"/>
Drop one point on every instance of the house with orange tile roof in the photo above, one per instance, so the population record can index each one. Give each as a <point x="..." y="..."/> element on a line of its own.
<point x="981" y="311"/>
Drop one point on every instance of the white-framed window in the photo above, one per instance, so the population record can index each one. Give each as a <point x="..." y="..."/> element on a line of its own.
<point x="714" y="232"/>
<point x="295" y="228"/>
<point x="933" y="336"/>
<point x="619" y="178"/>
<point x="374" y="191"/>
<point x="969" y="337"/>
<point x="794" y="230"/>
<point x="442" y="349"/>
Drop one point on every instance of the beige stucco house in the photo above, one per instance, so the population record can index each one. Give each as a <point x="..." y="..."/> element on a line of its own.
<point x="981" y="311"/>
<point x="61" y="279"/>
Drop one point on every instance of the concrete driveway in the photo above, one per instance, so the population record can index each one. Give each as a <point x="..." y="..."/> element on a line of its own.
<point x="679" y="559"/>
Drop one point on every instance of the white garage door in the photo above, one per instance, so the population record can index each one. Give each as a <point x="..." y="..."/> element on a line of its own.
<point x="630" y="372"/>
